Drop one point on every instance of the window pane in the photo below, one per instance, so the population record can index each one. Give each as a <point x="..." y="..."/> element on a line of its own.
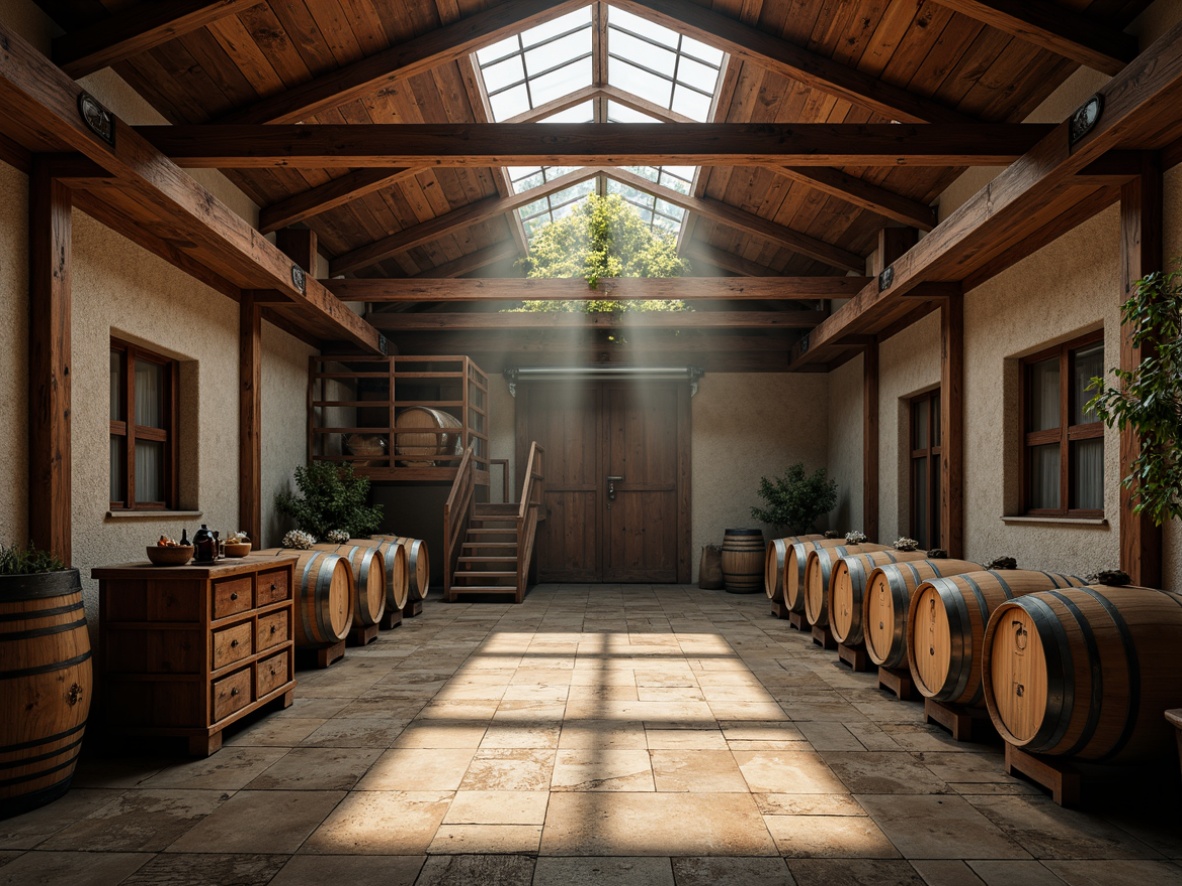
<point x="695" y="74"/>
<point x="1087" y="474"/>
<point x="638" y="82"/>
<point x="1086" y="364"/>
<point x="919" y="497"/>
<point x="550" y="55"/>
<point x="663" y="61"/>
<point x="118" y="469"/>
<point x="919" y="424"/>
<point x="149" y="471"/>
<point x="509" y="103"/>
<point x="501" y="74"/>
<point x="117" y="386"/>
<point x="561" y="82"/>
<point x="1044" y="395"/>
<point x="618" y="113"/>
<point x="642" y="26"/>
<point x="581" y="113"/>
<point x="692" y="104"/>
<point x="563" y="23"/>
<point x="935" y="401"/>
<point x="149" y="394"/>
<point x="1044" y="477"/>
<point x="934" y="538"/>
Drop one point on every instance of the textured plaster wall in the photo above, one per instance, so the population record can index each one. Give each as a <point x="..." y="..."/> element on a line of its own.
<point x="845" y="444"/>
<point x="285" y="417"/>
<point x="1172" y="573"/>
<point x="14" y="351"/>
<point x="502" y="436"/>
<point x="746" y="426"/>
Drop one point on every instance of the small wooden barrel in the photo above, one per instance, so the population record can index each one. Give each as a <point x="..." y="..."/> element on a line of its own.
<point x="1085" y="672"/>
<point x="323" y="596"/>
<point x="393" y="555"/>
<point x="742" y="560"/>
<point x="947" y="622"/>
<point x="45" y="685"/>
<point x="794" y="563"/>
<point x="418" y="564"/>
<point x="369" y="580"/>
<point x="818" y="568"/>
<point x="420" y="449"/>
<point x="888" y="599"/>
<point x="847" y="587"/>
<point x="773" y="564"/>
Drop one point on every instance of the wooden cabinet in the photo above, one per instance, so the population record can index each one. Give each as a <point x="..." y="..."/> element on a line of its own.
<point x="187" y="650"/>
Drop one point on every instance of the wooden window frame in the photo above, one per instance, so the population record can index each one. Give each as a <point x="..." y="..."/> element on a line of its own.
<point x="933" y="452"/>
<point x="1064" y="434"/>
<point x="130" y="431"/>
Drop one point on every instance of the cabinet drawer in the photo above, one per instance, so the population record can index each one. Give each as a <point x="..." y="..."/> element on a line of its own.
<point x="231" y="595"/>
<point x="273" y="672"/>
<point x="273" y="630"/>
<point x="273" y="587"/>
<point x="231" y="694"/>
<point x="231" y="644"/>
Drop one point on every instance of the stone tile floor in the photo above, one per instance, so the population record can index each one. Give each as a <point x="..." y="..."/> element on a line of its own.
<point x="634" y="735"/>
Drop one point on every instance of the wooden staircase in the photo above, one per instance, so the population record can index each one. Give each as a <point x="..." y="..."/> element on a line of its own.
<point x="488" y="561"/>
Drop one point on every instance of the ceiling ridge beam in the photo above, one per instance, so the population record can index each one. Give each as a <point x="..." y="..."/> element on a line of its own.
<point x="325" y="146"/>
<point x="419" y="54"/>
<point x="797" y="63"/>
<point x="493" y="321"/>
<point x="136" y="30"/>
<point x="1068" y="34"/>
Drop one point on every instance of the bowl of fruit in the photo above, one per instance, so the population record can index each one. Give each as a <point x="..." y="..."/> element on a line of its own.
<point x="237" y="544"/>
<point x="167" y="552"/>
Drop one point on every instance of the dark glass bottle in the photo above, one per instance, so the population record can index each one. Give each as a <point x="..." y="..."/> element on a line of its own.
<point x="206" y="547"/>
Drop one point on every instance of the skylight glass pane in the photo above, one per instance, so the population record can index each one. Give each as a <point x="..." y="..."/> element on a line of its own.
<point x="561" y="82"/>
<point x="631" y="78"/>
<point x="650" y="172"/>
<point x="560" y="25"/>
<point x="502" y="74"/>
<point x="698" y="75"/>
<point x="642" y="26"/>
<point x="509" y="103"/>
<point x="623" y="44"/>
<point x="668" y="209"/>
<point x="581" y="113"/>
<point x="691" y="104"/>
<point x="498" y="50"/>
<point x="701" y="51"/>
<point x="618" y="113"/>
<point x="552" y="55"/>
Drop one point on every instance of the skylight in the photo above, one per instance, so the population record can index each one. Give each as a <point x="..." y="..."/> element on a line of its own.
<point x="657" y="66"/>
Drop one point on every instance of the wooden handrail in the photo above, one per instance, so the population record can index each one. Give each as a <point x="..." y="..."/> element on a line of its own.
<point x="527" y="514"/>
<point x="457" y="512"/>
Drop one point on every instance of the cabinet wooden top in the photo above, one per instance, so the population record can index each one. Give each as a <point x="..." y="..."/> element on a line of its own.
<point x="220" y="569"/>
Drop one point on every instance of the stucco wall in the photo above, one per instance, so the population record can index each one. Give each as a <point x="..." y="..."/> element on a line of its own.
<point x="845" y="444"/>
<point x="285" y="416"/>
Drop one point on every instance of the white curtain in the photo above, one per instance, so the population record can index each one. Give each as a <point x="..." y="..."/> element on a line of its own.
<point x="149" y="394"/>
<point x="1044" y="479"/>
<point x="149" y="471"/>
<point x="1044" y="395"/>
<point x="1087" y="462"/>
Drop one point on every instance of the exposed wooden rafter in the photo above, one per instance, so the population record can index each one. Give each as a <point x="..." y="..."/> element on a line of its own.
<point x="491" y="321"/>
<point x="337" y="192"/>
<point x="135" y="30"/>
<point x="696" y="251"/>
<point x="332" y="146"/>
<point x="1050" y="26"/>
<point x="473" y="261"/>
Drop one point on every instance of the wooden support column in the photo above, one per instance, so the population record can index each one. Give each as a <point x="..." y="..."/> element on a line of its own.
<point x="298" y="244"/>
<point x="952" y="426"/>
<point x="250" y="418"/>
<point x="1141" y="249"/>
<point x="50" y="235"/>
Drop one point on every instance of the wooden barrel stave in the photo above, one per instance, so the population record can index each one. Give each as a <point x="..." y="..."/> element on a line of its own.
<point x="418" y="564"/>
<point x="323" y="594"/>
<point x="818" y="570"/>
<point x="847" y="586"/>
<point x="794" y="562"/>
<point x="369" y="580"/>
<point x="742" y="560"/>
<point x="773" y="567"/>
<point x="394" y="557"/>
<point x="952" y="613"/>
<point x="1096" y="667"/>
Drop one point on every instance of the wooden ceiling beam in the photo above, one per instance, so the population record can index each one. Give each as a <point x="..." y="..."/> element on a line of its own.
<point x="337" y="192"/>
<point x="732" y="217"/>
<point x="435" y="47"/>
<point x="507" y="289"/>
<point x="331" y="146"/>
<point x="1049" y="26"/>
<point x="506" y="322"/>
<point x="35" y="90"/>
<point x="1136" y="104"/>
<point x="135" y="30"/>
<point x="795" y="62"/>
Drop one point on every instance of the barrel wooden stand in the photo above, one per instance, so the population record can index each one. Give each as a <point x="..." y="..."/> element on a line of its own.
<point x="779" y="610"/>
<point x="854" y="656"/>
<point x="362" y="635"/>
<point x="798" y="621"/>
<point x="412" y="608"/>
<point x="323" y="656"/>
<point x="823" y="637"/>
<point x="897" y="681"/>
<point x="392" y="619"/>
<point x="965" y="724"/>
<point x="1055" y="774"/>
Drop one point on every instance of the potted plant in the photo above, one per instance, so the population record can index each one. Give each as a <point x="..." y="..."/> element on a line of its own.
<point x="795" y="500"/>
<point x="46" y="674"/>
<point x="331" y="498"/>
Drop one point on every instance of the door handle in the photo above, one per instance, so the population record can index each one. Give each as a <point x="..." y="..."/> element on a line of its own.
<point x="611" y="486"/>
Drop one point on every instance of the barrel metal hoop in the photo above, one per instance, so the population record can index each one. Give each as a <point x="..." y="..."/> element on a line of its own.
<point x="1097" y="674"/>
<point x="323" y="615"/>
<point x="32" y="744"/>
<point x="30" y="614"/>
<point x="42" y="632"/>
<point x="1130" y="649"/>
<point x="899" y="597"/>
<point x="40" y="758"/>
<point x="960" y="634"/>
<point x="33" y="776"/>
<point x="46" y="669"/>
<point x="1057" y="652"/>
<point x="309" y="600"/>
<point x="1005" y="588"/>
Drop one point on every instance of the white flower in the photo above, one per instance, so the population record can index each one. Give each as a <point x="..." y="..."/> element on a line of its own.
<point x="299" y="540"/>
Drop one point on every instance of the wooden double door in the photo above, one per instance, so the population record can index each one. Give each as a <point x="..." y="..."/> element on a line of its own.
<point x="617" y="486"/>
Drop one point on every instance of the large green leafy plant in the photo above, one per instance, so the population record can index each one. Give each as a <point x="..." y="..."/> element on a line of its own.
<point x="331" y="497"/>
<point x="795" y="500"/>
<point x="1148" y="398"/>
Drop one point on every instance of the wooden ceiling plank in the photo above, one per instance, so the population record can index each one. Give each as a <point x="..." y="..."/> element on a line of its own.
<point x="1136" y="98"/>
<point x="236" y="146"/>
<point x="415" y="56"/>
<point x="473" y="261"/>
<point x="493" y="322"/>
<point x="314" y="201"/>
<point x="33" y="88"/>
<point x="698" y="251"/>
<point x="1058" y="30"/>
<point x="136" y="30"/>
<point x="479" y="289"/>
<point x="799" y="64"/>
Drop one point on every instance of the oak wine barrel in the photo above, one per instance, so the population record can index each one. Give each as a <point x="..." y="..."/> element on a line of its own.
<point x="418" y="563"/>
<point x="818" y="569"/>
<point x="45" y="686"/>
<point x="426" y="448"/>
<point x="323" y="596"/>
<point x="394" y="558"/>
<point x="1085" y="672"/>
<point x="742" y="560"/>
<point x="773" y="565"/>
<point x="887" y="601"/>
<point x="794" y="562"/>
<point x="369" y="580"/>
<point x="947" y="623"/>
<point x="847" y="587"/>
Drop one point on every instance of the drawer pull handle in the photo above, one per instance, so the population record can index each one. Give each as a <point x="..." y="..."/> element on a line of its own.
<point x="272" y="629"/>
<point x="233" y="692"/>
<point x="233" y="644"/>
<point x="234" y="596"/>
<point x="274" y="586"/>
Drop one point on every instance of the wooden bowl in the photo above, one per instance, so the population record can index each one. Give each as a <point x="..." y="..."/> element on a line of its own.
<point x="237" y="549"/>
<point x="177" y="555"/>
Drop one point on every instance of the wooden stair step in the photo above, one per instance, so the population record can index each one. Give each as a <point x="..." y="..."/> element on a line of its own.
<point x="466" y="559"/>
<point x="507" y="508"/>
<point x="475" y="573"/>
<point x="484" y="589"/>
